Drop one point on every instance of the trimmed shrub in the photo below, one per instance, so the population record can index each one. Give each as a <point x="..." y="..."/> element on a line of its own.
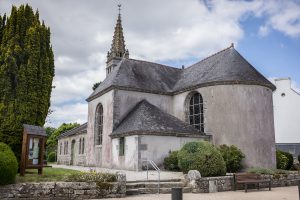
<point x="8" y="165"/>
<point x="290" y="160"/>
<point x="201" y="156"/>
<point x="233" y="157"/>
<point x="51" y="157"/>
<point x="171" y="161"/>
<point x="91" y="177"/>
<point x="281" y="160"/>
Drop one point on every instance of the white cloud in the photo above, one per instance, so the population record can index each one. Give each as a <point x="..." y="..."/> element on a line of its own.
<point x="158" y="30"/>
<point x="70" y="113"/>
<point x="263" y="31"/>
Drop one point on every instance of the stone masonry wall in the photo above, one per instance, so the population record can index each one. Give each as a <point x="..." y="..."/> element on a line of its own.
<point x="65" y="190"/>
<point x="225" y="183"/>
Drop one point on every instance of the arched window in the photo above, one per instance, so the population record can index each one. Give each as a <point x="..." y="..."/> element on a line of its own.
<point x="99" y="125"/>
<point x="82" y="146"/>
<point x="196" y="117"/>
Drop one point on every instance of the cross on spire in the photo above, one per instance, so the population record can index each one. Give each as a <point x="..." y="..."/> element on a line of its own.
<point x="119" y="5"/>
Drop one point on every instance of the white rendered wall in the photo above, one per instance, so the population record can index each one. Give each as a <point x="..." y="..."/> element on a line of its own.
<point x="100" y="155"/>
<point x="286" y="112"/>
<point x="156" y="148"/>
<point x="130" y="159"/>
<point x="240" y="115"/>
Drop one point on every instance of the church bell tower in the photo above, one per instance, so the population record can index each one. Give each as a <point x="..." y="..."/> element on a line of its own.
<point x="117" y="50"/>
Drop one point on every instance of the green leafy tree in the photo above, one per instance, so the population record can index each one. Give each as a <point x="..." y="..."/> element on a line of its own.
<point x="26" y="73"/>
<point x="52" y="140"/>
<point x="49" y="131"/>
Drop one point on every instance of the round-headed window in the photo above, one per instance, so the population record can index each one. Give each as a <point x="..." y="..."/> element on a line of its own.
<point x="196" y="115"/>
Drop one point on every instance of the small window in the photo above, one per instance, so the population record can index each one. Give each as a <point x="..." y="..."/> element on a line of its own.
<point x="121" y="146"/>
<point x="82" y="146"/>
<point x="79" y="146"/>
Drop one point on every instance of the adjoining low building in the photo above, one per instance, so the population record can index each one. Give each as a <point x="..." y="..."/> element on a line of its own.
<point x="72" y="146"/>
<point x="287" y="117"/>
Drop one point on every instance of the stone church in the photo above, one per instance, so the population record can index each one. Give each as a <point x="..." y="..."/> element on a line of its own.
<point x="144" y="110"/>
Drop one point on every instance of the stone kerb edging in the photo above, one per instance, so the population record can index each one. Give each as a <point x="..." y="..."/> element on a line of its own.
<point x="65" y="190"/>
<point x="225" y="183"/>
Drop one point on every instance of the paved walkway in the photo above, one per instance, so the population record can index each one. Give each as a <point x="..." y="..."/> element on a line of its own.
<point x="282" y="193"/>
<point x="130" y="175"/>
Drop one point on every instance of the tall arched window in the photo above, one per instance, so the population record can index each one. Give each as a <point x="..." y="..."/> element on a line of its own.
<point x="196" y="117"/>
<point x="99" y="125"/>
<point x="82" y="147"/>
<point x="79" y="146"/>
<point x="60" y="148"/>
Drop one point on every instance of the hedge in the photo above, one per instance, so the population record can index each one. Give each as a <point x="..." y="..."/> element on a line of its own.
<point x="171" y="161"/>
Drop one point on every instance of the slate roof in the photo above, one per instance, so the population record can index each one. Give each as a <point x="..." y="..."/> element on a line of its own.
<point x="75" y="131"/>
<point x="34" y="130"/>
<point x="140" y="76"/>
<point x="224" y="67"/>
<point x="146" y="118"/>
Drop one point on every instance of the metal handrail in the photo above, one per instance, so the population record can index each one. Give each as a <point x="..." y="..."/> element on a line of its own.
<point x="156" y="168"/>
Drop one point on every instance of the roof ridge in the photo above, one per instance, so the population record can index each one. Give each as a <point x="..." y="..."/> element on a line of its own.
<point x="231" y="46"/>
<point x="154" y="63"/>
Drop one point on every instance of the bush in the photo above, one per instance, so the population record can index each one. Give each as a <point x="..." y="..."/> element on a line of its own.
<point x="8" y="165"/>
<point x="171" y="161"/>
<point x="258" y="170"/>
<point x="281" y="160"/>
<point x="201" y="156"/>
<point x="51" y="157"/>
<point x="290" y="159"/>
<point x="233" y="157"/>
<point x="299" y="158"/>
<point x="91" y="177"/>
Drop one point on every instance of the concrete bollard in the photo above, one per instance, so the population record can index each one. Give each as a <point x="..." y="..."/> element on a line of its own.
<point x="176" y="193"/>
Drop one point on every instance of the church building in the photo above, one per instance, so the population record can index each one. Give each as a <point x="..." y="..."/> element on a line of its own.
<point x="144" y="110"/>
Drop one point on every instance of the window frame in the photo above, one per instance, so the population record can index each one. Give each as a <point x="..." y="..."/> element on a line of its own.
<point x="195" y="111"/>
<point x="122" y="146"/>
<point x="98" y="133"/>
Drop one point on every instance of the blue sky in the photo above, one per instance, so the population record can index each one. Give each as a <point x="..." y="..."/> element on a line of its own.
<point x="176" y="33"/>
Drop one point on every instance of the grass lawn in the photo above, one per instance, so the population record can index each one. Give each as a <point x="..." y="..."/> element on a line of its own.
<point x="49" y="174"/>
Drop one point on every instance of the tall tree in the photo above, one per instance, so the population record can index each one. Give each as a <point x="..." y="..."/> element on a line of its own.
<point x="26" y="73"/>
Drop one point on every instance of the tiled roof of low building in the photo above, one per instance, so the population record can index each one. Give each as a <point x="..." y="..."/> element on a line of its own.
<point x="82" y="129"/>
<point x="146" y="118"/>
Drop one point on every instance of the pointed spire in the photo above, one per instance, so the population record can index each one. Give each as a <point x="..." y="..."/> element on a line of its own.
<point x="117" y="50"/>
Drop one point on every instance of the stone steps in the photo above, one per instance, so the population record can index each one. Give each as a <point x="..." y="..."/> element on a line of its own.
<point x="136" y="188"/>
